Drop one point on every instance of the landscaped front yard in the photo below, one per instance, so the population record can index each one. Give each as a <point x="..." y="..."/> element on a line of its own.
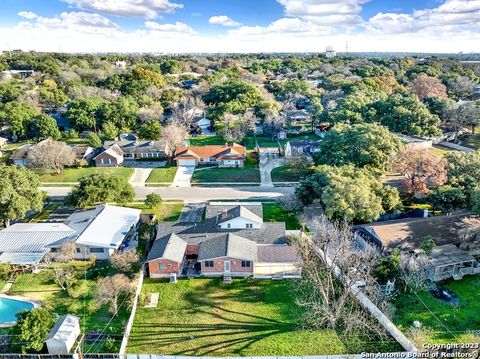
<point x="247" y="318"/>
<point x="273" y="212"/>
<point x="162" y="174"/>
<point x="448" y="323"/>
<point x="74" y="174"/>
<point x="249" y="173"/>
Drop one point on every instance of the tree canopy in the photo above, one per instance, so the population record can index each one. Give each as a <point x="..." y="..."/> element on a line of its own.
<point x="18" y="193"/>
<point x="101" y="188"/>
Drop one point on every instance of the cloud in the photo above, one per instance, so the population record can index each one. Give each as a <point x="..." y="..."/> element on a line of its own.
<point x="325" y="12"/>
<point x="222" y="20"/>
<point x="453" y="16"/>
<point x="146" y="8"/>
<point x="80" y="21"/>
<point x="282" y="26"/>
<point x="178" y="27"/>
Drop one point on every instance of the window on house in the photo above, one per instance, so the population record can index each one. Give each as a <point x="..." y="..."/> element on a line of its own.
<point x="229" y="225"/>
<point x="161" y="266"/>
<point x="96" y="250"/>
<point x="246" y="264"/>
<point x="78" y="250"/>
<point x="102" y="161"/>
<point x="249" y="225"/>
<point x="209" y="264"/>
<point x="169" y="266"/>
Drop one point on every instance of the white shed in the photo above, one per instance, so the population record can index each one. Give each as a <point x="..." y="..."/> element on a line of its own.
<point x="63" y="335"/>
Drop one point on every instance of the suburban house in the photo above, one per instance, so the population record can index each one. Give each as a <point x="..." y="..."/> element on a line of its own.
<point x="298" y="115"/>
<point x="19" y="156"/>
<point x="295" y="149"/>
<point x="447" y="259"/>
<point x="221" y="156"/>
<point x="415" y="142"/>
<point x="115" y="152"/>
<point x="201" y="124"/>
<point x="103" y="230"/>
<point x="84" y="153"/>
<point x="233" y="241"/>
<point x="96" y="233"/>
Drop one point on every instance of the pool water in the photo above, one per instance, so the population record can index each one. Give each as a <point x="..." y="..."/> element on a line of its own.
<point x="10" y="307"/>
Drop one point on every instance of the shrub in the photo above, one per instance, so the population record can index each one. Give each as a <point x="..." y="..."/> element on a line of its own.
<point x="153" y="200"/>
<point x="79" y="289"/>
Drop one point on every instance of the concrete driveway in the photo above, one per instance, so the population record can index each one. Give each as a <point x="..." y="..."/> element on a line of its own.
<point x="140" y="176"/>
<point x="183" y="177"/>
<point x="192" y="212"/>
<point x="267" y="164"/>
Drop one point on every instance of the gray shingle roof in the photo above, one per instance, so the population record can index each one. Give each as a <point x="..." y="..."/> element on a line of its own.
<point x="228" y="245"/>
<point x="216" y="207"/>
<point x="170" y="247"/>
<point x="236" y="212"/>
<point x="273" y="253"/>
<point x="137" y="146"/>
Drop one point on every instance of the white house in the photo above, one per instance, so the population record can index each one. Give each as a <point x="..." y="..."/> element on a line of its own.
<point x="103" y="230"/>
<point x="239" y="217"/>
<point x="63" y="335"/>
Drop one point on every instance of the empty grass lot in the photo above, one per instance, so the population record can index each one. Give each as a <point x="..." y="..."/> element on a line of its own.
<point x="204" y="317"/>
<point x="449" y="324"/>
<point x="249" y="173"/>
<point x="74" y="174"/>
<point x="162" y="175"/>
<point x="273" y="212"/>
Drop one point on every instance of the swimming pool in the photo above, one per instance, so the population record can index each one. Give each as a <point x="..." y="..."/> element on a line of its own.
<point x="10" y="307"/>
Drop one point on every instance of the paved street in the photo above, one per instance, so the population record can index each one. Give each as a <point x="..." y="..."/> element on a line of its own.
<point x="194" y="194"/>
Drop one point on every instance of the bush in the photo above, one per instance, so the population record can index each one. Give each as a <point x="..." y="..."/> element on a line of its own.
<point x="387" y="267"/>
<point x="5" y="271"/>
<point x="251" y="161"/>
<point x="153" y="200"/>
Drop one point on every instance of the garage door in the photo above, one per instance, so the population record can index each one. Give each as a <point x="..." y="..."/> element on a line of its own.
<point x="187" y="163"/>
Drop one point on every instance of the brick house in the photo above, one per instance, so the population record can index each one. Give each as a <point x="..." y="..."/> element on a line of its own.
<point x="221" y="156"/>
<point x="232" y="241"/>
<point x="112" y="157"/>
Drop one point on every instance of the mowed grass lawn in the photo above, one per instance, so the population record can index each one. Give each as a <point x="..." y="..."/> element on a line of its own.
<point x="288" y="174"/>
<point x="206" y="140"/>
<point x="204" y="317"/>
<point x="165" y="212"/>
<point x="249" y="173"/>
<point x="457" y="320"/>
<point x="162" y="174"/>
<point x="273" y="212"/>
<point x="74" y="174"/>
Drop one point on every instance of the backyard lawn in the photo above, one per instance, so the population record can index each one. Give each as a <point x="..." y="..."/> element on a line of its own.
<point x="204" y="317"/>
<point x="79" y="302"/>
<point x="165" y="212"/>
<point x="249" y="173"/>
<point x="206" y="140"/>
<point x="74" y="174"/>
<point x="288" y="174"/>
<point x="162" y="175"/>
<point x="472" y="141"/>
<point x="450" y="323"/>
<point x="273" y="212"/>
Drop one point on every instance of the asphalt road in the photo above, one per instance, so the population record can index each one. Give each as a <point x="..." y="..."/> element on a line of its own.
<point x="194" y="194"/>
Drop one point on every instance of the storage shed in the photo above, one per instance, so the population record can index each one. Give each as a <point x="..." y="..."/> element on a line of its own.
<point x="63" y="335"/>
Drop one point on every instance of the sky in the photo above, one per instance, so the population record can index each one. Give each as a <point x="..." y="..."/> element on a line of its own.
<point x="200" y="26"/>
